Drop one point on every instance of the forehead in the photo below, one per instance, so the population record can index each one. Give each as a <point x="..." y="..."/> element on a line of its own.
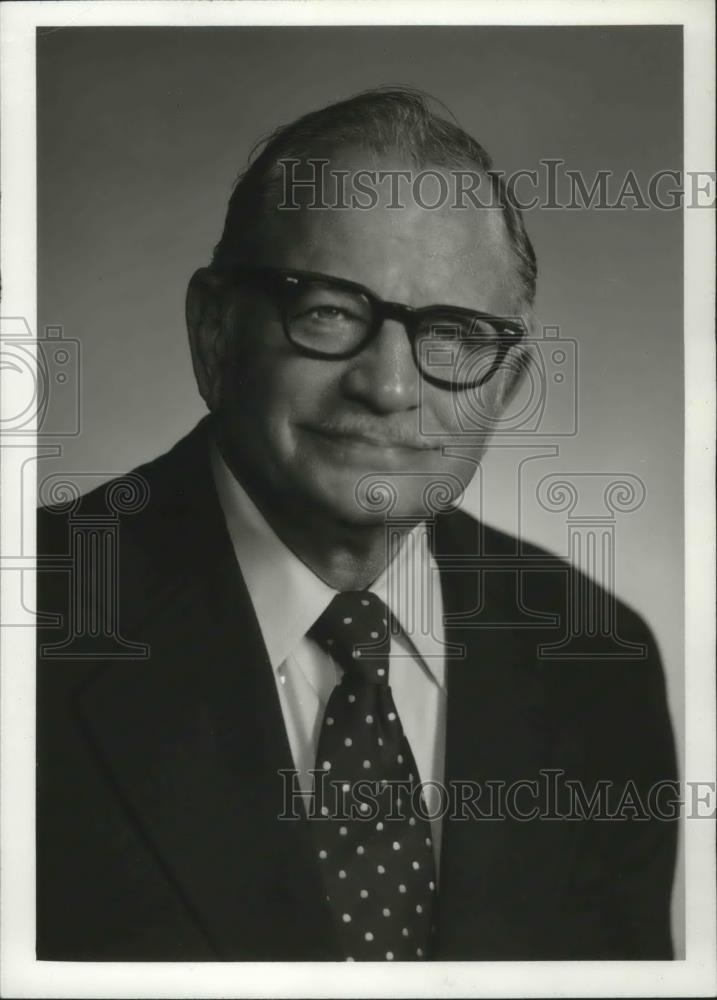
<point x="454" y="253"/>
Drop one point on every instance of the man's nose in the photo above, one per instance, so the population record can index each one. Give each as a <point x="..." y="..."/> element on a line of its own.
<point x="384" y="376"/>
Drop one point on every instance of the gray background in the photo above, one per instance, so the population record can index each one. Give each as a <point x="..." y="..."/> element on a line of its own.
<point x="142" y="131"/>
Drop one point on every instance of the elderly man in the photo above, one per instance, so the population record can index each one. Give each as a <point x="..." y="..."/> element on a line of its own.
<point x="324" y="742"/>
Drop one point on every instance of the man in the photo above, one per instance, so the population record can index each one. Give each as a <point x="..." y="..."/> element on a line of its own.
<point x="299" y="753"/>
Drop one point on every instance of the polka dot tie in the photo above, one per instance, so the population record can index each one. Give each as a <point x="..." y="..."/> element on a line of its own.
<point x="372" y="837"/>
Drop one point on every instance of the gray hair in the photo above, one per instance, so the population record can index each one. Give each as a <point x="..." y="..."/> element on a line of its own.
<point x="377" y="120"/>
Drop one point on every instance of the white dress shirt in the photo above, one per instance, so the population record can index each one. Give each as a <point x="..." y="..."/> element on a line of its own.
<point x="288" y="598"/>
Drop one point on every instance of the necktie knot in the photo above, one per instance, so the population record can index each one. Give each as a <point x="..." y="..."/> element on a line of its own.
<point x="355" y="630"/>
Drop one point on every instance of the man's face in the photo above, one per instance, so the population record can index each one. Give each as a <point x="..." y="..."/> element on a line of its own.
<point x="320" y="432"/>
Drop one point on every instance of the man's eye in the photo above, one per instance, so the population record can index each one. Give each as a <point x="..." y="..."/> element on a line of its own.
<point x="327" y="314"/>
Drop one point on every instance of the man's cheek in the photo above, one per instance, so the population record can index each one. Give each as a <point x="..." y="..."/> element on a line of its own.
<point x="439" y="415"/>
<point x="461" y="414"/>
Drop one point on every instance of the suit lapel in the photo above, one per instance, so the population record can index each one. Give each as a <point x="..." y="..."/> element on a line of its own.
<point x="193" y="738"/>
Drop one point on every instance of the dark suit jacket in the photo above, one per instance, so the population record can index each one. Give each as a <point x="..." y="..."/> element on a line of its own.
<point x="158" y="793"/>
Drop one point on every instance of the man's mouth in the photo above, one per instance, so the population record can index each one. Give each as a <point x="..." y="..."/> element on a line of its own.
<point x="381" y="442"/>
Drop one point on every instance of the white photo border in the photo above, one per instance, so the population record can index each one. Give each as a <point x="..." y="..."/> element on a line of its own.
<point x="20" y="973"/>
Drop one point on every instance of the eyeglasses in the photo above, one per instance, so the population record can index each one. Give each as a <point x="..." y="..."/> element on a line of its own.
<point x="332" y="318"/>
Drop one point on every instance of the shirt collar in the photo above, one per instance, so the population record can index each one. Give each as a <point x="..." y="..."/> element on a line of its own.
<point x="288" y="597"/>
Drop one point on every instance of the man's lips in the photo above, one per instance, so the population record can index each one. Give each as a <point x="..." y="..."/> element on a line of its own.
<point x="353" y="436"/>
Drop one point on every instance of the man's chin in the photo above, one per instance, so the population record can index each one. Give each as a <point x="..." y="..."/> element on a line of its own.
<point x="374" y="497"/>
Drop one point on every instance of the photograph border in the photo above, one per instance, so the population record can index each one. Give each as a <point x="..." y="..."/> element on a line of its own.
<point x="696" y="975"/>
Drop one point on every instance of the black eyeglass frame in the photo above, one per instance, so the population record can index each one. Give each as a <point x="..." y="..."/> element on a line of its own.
<point x="282" y="280"/>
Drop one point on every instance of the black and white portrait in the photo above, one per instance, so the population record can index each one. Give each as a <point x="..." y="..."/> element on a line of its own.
<point x="358" y="443"/>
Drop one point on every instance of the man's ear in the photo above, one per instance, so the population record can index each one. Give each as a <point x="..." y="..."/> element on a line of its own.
<point x="206" y="333"/>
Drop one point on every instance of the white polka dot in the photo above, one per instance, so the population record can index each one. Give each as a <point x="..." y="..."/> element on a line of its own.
<point x="389" y="956"/>
<point x="347" y="621"/>
<point x="380" y="869"/>
<point x="364" y="602"/>
<point x="343" y="831"/>
<point x="326" y="765"/>
<point x="346" y="787"/>
<point x="380" y="672"/>
<point x="419" y="908"/>
<point x="346" y="918"/>
<point x="349" y="959"/>
<point x="329" y="721"/>
<point x="374" y="635"/>
<point x="329" y="642"/>
<point x="386" y="912"/>
<point x="352" y="698"/>
<point x="380" y="742"/>
<point x="369" y="719"/>
<point x="428" y="841"/>
<point x="360" y="849"/>
<point x="399" y="802"/>
<point x="399" y="758"/>
<point x="368" y="936"/>
<point x="364" y="807"/>
<point x="348" y="741"/>
<point x="415" y="865"/>
<point x="323" y="854"/>
<point x="324" y="810"/>
<point x="391" y="716"/>
<point x="412" y="821"/>
<point x="367" y="763"/>
<point x="342" y="873"/>
<point x="431" y="886"/>
<point x="356" y="654"/>
<point x="404" y="931"/>
<point x="419" y="951"/>
<point x="396" y="846"/>
<point x="379" y="825"/>
<point x="384" y="621"/>
<point x="402" y="888"/>
<point x="364" y="894"/>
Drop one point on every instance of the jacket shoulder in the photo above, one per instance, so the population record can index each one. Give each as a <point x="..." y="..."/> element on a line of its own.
<point x="545" y="578"/>
<point x="155" y="525"/>
<point x="159" y="479"/>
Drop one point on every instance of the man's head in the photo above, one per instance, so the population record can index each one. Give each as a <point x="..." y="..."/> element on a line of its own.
<point x="304" y="418"/>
